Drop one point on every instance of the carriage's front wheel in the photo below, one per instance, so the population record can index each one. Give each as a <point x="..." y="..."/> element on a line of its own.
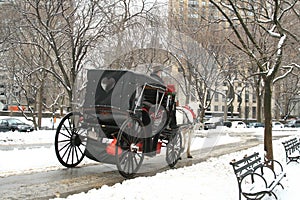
<point x="129" y="153"/>
<point x="174" y="149"/>
<point x="70" y="140"/>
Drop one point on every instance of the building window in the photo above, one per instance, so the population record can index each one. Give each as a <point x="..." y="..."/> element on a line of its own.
<point x="216" y="108"/>
<point x="254" y="98"/>
<point x="193" y="3"/>
<point x="216" y="97"/>
<point x="253" y="112"/>
<point x="246" y="96"/>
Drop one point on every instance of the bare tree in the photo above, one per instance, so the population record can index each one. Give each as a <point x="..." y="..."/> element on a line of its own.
<point x="267" y="54"/>
<point x="72" y="28"/>
<point x="287" y="95"/>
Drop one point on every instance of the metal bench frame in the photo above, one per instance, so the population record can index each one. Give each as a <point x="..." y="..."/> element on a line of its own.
<point x="252" y="167"/>
<point x="292" y="150"/>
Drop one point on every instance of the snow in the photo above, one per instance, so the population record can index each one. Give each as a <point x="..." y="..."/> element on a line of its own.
<point x="212" y="179"/>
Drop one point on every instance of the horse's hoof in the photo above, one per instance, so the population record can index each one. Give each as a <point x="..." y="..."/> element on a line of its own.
<point x="189" y="156"/>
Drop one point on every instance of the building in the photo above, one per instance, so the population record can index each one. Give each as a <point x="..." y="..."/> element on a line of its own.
<point x="193" y="17"/>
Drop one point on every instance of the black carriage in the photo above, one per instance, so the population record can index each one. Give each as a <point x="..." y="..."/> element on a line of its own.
<point x="124" y="117"/>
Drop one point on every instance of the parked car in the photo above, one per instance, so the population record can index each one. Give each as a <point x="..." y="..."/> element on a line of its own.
<point x="238" y="124"/>
<point x="293" y="124"/>
<point x="256" y="125"/>
<point x="209" y="125"/>
<point x="3" y="126"/>
<point x="213" y="122"/>
<point x="13" y="124"/>
<point x="277" y="125"/>
<point x="227" y="124"/>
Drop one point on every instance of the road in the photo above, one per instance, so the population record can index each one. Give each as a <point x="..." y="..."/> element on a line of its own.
<point x="61" y="183"/>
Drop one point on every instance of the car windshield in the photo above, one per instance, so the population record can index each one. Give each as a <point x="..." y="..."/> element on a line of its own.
<point x="14" y="121"/>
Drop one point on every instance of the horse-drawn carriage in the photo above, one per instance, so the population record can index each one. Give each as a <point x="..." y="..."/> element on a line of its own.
<point x="124" y="117"/>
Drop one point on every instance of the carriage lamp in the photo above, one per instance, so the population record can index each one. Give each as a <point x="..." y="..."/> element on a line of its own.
<point x="108" y="83"/>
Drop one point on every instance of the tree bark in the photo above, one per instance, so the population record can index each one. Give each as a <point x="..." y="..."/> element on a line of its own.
<point x="40" y="103"/>
<point x="259" y="108"/>
<point x="268" y="147"/>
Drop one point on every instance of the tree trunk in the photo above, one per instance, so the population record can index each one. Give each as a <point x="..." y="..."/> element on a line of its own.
<point x="268" y="147"/>
<point x="259" y="109"/>
<point x="202" y="114"/>
<point x="258" y="104"/>
<point x="40" y="104"/>
<point x="225" y="109"/>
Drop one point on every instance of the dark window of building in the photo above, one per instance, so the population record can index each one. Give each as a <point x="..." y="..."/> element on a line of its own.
<point x="216" y="97"/>
<point x="216" y="108"/>
<point x="253" y="112"/>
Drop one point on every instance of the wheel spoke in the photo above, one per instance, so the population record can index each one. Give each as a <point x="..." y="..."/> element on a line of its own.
<point x="68" y="136"/>
<point x="76" y="152"/>
<point x="70" y="124"/>
<point x="69" y="153"/>
<point x="60" y="141"/>
<point x="67" y="129"/>
<point x="66" y="145"/>
<point x="67" y="150"/>
<point x="126" y="162"/>
<point x="131" y="162"/>
<point x="80" y="150"/>
<point x="73" y="154"/>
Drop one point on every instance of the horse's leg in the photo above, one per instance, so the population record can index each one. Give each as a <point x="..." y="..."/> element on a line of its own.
<point x="188" y="152"/>
<point x="183" y="133"/>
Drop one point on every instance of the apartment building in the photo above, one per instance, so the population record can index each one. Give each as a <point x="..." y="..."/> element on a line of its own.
<point x="190" y="16"/>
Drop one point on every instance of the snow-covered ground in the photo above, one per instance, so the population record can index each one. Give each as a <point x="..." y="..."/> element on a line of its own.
<point x="213" y="179"/>
<point x="210" y="180"/>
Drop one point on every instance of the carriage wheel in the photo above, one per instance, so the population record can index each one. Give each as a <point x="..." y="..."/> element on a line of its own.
<point x="174" y="149"/>
<point x="129" y="153"/>
<point x="70" y="140"/>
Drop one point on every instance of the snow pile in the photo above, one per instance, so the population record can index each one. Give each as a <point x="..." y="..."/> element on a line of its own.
<point x="22" y="138"/>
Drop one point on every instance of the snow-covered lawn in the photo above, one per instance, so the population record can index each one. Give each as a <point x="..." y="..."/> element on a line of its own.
<point x="210" y="180"/>
<point x="213" y="179"/>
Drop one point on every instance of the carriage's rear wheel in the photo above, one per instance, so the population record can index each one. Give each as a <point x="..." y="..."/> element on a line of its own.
<point x="70" y="140"/>
<point x="174" y="149"/>
<point x="129" y="153"/>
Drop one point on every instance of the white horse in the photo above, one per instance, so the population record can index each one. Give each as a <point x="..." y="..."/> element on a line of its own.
<point x="186" y="120"/>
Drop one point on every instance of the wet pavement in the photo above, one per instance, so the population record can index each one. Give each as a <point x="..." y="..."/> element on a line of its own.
<point x="61" y="183"/>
